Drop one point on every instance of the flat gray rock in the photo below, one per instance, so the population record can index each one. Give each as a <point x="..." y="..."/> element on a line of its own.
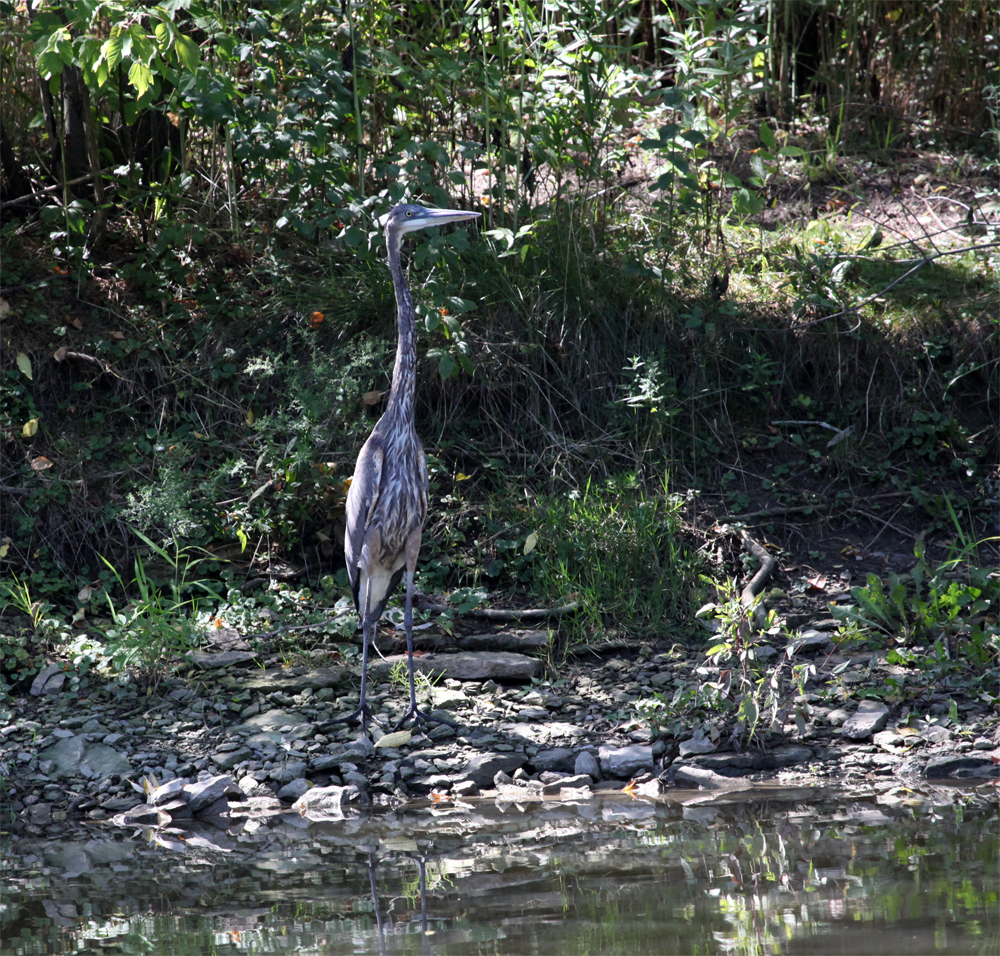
<point x="166" y="792"/>
<point x="870" y="717"/>
<point x="706" y="779"/>
<point x="75" y="756"/>
<point x="837" y="716"/>
<point x="532" y="714"/>
<point x="810" y="640"/>
<point x="587" y="763"/>
<point x="962" y="766"/>
<point x="272" y="720"/>
<point x="483" y="767"/>
<point x="505" y="641"/>
<point x="204" y="793"/>
<point x="208" y="661"/>
<point x="788" y="755"/>
<point x="143" y="816"/>
<point x="331" y="802"/>
<point x="700" y="743"/>
<point x="313" y="678"/>
<point x="295" y="789"/>
<point x="578" y="781"/>
<point x="49" y="680"/>
<point x="466" y="665"/>
<point x="228" y="761"/>
<point x="519" y="792"/>
<point x="735" y="761"/>
<point x="560" y="759"/>
<point x="625" y="762"/>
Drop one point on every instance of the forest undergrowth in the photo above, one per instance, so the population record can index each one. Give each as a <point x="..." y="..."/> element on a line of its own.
<point x="695" y="306"/>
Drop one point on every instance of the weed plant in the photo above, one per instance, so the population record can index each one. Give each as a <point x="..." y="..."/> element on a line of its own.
<point x="151" y="632"/>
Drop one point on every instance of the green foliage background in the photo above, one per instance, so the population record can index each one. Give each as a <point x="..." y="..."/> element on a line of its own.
<point x="206" y="257"/>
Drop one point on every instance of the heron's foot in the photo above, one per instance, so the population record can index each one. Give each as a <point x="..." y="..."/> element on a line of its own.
<point x="419" y="716"/>
<point x="359" y="716"/>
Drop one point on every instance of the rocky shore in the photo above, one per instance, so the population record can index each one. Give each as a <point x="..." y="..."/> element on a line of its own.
<point x="255" y="728"/>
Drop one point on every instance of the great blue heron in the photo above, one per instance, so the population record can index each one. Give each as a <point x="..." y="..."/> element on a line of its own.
<point x="387" y="499"/>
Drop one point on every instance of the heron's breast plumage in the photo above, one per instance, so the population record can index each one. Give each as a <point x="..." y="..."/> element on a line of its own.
<point x="402" y="501"/>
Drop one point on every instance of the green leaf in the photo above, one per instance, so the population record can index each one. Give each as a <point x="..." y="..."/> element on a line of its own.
<point x="767" y="136"/>
<point x="112" y="52"/>
<point x="446" y="366"/>
<point x="188" y="53"/>
<point x="49" y="64"/>
<point x="140" y="76"/>
<point x="162" y="34"/>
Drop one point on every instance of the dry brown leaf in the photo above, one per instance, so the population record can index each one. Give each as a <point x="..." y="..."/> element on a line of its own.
<point x="41" y="463"/>
<point x="77" y="324"/>
<point x="116" y="336"/>
<point x="60" y="353"/>
<point x="372" y="398"/>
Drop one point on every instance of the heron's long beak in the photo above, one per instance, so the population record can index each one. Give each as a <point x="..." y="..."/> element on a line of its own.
<point x="430" y="216"/>
<point x="437" y="217"/>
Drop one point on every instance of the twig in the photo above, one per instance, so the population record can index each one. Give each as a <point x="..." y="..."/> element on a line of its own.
<point x="875" y="519"/>
<point x="842" y="433"/>
<point x="794" y="509"/>
<point x="51" y="189"/>
<point x="11" y="289"/>
<point x="855" y="309"/>
<point x="82" y="357"/>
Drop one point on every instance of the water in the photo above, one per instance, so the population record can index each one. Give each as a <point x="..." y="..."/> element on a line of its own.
<point x="795" y="871"/>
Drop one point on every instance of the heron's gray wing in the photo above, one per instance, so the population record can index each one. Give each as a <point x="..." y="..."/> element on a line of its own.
<point x="362" y="497"/>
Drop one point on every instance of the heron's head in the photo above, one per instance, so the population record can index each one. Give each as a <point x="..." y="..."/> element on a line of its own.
<point x="408" y="217"/>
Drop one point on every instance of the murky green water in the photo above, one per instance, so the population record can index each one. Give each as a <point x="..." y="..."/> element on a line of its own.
<point x="797" y="872"/>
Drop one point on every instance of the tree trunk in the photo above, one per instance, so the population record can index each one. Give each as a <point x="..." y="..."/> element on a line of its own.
<point x="13" y="182"/>
<point x="75" y="157"/>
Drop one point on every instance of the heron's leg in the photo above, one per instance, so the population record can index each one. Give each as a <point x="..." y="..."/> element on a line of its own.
<point x="413" y="711"/>
<point x="408" y="624"/>
<point x="374" y="889"/>
<point x="368" y="627"/>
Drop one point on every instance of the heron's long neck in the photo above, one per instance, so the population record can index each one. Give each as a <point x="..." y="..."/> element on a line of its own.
<point x="404" y="373"/>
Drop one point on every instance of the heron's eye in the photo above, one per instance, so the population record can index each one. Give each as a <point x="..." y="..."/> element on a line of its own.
<point x="409" y="214"/>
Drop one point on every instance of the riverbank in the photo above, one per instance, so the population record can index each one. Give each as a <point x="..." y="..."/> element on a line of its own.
<point x="266" y="726"/>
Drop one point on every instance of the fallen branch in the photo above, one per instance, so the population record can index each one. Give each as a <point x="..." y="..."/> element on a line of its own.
<point x="768" y="562"/>
<point x="502" y="614"/>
